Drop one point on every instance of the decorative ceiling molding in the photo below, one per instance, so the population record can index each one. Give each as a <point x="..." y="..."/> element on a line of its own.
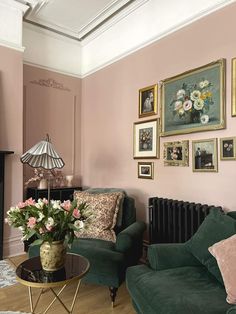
<point x="46" y="14"/>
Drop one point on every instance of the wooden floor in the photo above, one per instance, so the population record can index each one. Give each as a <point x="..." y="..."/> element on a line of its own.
<point x="92" y="299"/>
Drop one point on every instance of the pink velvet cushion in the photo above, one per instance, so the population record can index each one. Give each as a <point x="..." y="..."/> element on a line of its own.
<point x="225" y="254"/>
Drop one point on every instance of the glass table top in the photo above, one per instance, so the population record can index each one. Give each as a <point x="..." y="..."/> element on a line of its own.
<point x="30" y="272"/>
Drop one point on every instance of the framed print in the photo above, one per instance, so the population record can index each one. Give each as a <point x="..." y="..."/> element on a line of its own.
<point x="194" y="101"/>
<point x="145" y="170"/>
<point x="148" y="101"/>
<point x="146" y="139"/>
<point x="176" y="153"/>
<point x="205" y="155"/>
<point x="228" y="148"/>
<point x="233" y="87"/>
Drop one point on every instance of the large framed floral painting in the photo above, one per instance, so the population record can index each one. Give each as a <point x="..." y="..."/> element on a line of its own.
<point x="194" y="101"/>
<point x="146" y="139"/>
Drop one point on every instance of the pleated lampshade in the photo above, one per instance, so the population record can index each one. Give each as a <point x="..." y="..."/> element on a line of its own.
<point x="43" y="155"/>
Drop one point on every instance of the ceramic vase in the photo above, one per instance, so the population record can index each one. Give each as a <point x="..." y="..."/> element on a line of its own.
<point x="52" y="255"/>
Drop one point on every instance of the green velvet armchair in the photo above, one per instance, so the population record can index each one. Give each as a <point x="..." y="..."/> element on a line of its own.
<point x="108" y="260"/>
<point x="184" y="277"/>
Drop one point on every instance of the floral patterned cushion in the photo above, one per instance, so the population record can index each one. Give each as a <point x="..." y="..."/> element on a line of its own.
<point x="104" y="207"/>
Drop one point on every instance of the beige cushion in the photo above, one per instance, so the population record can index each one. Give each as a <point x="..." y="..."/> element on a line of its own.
<point x="104" y="207"/>
<point x="225" y="254"/>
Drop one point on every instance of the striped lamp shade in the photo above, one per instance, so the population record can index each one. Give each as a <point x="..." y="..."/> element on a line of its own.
<point x="43" y="155"/>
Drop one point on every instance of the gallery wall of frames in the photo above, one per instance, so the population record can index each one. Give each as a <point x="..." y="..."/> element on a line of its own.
<point x="193" y="101"/>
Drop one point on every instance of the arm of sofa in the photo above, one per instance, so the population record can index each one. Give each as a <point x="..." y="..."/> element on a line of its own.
<point x="164" y="256"/>
<point x="232" y="310"/>
<point x="129" y="236"/>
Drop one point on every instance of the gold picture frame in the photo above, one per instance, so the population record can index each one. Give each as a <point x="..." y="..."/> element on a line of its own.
<point x="233" y="87"/>
<point x="194" y="101"/>
<point x="228" y="148"/>
<point x="146" y="139"/>
<point x="145" y="170"/>
<point x="176" y="153"/>
<point x="148" y="101"/>
<point x="205" y="155"/>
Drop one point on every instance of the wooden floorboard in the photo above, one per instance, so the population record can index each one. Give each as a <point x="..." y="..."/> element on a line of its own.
<point x="92" y="299"/>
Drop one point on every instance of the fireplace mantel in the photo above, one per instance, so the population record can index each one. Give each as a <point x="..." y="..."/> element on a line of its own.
<point x="3" y="153"/>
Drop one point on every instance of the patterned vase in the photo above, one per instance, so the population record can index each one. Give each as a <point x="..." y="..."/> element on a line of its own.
<point x="52" y="255"/>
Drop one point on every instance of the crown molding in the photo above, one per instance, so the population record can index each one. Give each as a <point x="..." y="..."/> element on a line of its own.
<point x="11" y="45"/>
<point x="51" y="69"/>
<point x="221" y="4"/>
<point x="16" y="5"/>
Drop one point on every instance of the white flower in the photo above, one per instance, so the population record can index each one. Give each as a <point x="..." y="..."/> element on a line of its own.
<point x="79" y="224"/>
<point x="198" y="104"/>
<point x="21" y="228"/>
<point x="14" y="209"/>
<point x="178" y="104"/>
<point x="41" y="216"/>
<point x="181" y="112"/>
<point x="195" y="95"/>
<point x="56" y="204"/>
<point x="204" y="119"/>
<point x="206" y="83"/>
<point x="201" y="84"/>
<point x="49" y="223"/>
<point x="187" y="105"/>
<point x="181" y="93"/>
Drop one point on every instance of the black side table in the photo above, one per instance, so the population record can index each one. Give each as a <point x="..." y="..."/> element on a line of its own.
<point x="60" y="193"/>
<point x="31" y="274"/>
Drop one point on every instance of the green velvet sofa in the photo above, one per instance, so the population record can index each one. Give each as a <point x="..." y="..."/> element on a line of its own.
<point x="108" y="260"/>
<point x="184" y="278"/>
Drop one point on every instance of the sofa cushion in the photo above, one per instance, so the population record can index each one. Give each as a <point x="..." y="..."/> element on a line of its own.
<point x="190" y="289"/>
<point x="215" y="227"/>
<point x="104" y="208"/>
<point x="225" y="254"/>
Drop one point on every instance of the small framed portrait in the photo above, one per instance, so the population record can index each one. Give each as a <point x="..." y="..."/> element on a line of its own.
<point x="148" y="101"/>
<point x="205" y="155"/>
<point x="176" y="153"/>
<point x="145" y="170"/>
<point x="227" y="148"/>
<point x="146" y="139"/>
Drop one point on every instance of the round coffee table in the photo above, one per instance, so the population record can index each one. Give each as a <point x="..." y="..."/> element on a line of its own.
<point x="31" y="274"/>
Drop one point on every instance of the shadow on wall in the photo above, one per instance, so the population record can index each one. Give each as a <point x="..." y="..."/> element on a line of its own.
<point x="3" y="120"/>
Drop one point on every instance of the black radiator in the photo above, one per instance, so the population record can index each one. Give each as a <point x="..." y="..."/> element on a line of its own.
<point x="172" y="221"/>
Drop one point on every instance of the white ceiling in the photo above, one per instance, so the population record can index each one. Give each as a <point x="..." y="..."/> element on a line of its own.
<point x="74" y="18"/>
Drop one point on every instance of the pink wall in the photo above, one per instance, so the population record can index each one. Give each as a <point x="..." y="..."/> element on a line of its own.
<point x="52" y="105"/>
<point x="11" y="130"/>
<point x="110" y="107"/>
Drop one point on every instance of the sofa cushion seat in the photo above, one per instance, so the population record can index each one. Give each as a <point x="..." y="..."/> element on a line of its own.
<point x="179" y="290"/>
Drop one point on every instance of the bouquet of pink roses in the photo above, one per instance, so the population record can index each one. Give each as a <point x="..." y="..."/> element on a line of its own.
<point x="50" y="222"/>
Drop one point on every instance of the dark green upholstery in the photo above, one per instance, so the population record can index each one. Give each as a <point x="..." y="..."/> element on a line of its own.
<point x="108" y="260"/>
<point x="176" y="281"/>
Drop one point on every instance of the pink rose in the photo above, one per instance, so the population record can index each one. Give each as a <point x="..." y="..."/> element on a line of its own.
<point x="30" y="202"/>
<point x="76" y="213"/>
<point x="66" y="205"/>
<point x="31" y="222"/>
<point x="21" y="205"/>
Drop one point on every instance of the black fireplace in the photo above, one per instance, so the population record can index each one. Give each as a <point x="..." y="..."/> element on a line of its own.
<point x="2" y="164"/>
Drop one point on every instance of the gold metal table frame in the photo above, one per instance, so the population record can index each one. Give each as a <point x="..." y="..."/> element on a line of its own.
<point x="45" y="286"/>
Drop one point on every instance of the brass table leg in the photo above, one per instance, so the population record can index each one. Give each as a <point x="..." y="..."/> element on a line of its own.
<point x="56" y="297"/>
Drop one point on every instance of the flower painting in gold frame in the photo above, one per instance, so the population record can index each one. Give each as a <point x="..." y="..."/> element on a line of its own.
<point x="204" y="154"/>
<point x="228" y="148"/>
<point x="148" y="101"/>
<point x="194" y="101"/>
<point x="176" y="153"/>
<point x="146" y="139"/>
<point x="145" y="170"/>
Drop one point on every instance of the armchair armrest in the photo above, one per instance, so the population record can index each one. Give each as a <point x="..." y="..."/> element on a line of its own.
<point x="129" y="236"/>
<point x="232" y="310"/>
<point x="171" y="255"/>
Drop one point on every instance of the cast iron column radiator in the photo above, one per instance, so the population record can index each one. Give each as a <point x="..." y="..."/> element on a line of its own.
<point x="172" y="221"/>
